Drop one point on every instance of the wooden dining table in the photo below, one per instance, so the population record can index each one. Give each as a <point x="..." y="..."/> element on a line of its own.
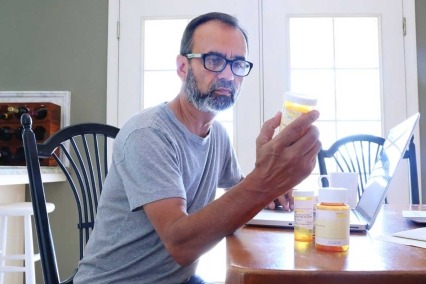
<point x="270" y="255"/>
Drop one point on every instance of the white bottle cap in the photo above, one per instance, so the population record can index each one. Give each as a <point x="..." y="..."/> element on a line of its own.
<point x="333" y="195"/>
<point x="300" y="98"/>
<point x="302" y="193"/>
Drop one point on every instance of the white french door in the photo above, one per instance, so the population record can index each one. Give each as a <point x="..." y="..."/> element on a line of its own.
<point x="350" y="54"/>
<point x="334" y="36"/>
<point x="134" y="61"/>
<point x="267" y="24"/>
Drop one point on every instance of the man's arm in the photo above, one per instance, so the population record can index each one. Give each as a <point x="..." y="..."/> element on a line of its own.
<point x="281" y="163"/>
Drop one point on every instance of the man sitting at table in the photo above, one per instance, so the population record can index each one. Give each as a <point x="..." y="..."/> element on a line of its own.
<point x="157" y="214"/>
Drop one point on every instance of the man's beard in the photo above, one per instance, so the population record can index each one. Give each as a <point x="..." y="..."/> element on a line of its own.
<point x="209" y="102"/>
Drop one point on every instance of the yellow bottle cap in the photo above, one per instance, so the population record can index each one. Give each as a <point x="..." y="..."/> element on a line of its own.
<point x="333" y="195"/>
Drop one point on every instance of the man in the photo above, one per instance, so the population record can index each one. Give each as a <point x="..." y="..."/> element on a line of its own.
<point x="157" y="214"/>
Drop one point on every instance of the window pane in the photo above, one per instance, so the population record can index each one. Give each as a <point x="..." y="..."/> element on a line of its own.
<point x="330" y="131"/>
<point x="311" y="43"/>
<point x="357" y="44"/>
<point x="156" y="91"/>
<point x="336" y="59"/>
<point x="345" y="128"/>
<point x="358" y="95"/>
<point x="162" y="43"/>
<point x="321" y="85"/>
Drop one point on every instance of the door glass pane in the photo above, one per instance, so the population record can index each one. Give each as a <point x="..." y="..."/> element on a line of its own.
<point x="356" y="42"/>
<point x="162" y="41"/>
<point x="155" y="91"/>
<point x="337" y="60"/>
<point x="321" y="84"/>
<point x="311" y="43"/>
<point x="358" y="95"/>
<point x="160" y="81"/>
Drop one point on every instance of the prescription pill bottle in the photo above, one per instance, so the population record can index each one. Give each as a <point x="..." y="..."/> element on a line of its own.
<point x="314" y="205"/>
<point x="332" y="220"/>
<point x="294" y="105"/>
<point x="303" y="215"/>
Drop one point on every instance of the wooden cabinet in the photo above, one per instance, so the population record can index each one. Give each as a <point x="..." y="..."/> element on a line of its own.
<point x="46" y="119"/>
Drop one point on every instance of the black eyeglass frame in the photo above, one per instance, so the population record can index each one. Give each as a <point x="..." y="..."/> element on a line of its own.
<point x="227" y="61"/>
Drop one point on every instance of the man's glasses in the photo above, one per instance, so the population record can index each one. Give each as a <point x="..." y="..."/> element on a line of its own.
<point x="217" y="63"/>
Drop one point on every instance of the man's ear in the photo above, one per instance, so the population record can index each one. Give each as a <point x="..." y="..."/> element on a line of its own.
<point x="182" y="66"/>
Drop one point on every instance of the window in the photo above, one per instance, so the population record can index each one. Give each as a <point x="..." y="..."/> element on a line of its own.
<point x="337" y="60"/>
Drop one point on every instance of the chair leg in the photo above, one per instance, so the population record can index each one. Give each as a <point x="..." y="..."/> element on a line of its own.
<point x="29" y="252"/>
<point x="3" y="228"/>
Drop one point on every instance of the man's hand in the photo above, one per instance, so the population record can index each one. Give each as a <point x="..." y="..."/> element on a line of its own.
<point x="286" y="201"/>
<point x="285" y="160"/>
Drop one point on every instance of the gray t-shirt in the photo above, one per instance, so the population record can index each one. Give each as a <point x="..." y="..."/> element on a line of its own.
<point x="155" y="157"/>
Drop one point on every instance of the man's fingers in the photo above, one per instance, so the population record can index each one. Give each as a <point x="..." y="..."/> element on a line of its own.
<point x="268" y="129"/>
<point x="271" y="206"/>
<point x="285" y="201"/>
<point x="298" y="127"/>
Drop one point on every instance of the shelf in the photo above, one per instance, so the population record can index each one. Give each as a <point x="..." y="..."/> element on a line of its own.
<point x="10" y="175"/>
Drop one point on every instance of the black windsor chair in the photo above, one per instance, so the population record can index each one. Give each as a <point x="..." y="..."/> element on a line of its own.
<point x="358" y="153"/>
<point x="83" y="160"/>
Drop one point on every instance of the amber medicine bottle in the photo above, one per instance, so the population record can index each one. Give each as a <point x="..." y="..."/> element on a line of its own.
<point x="303" y="215"/>
<point x="332" y="220"/>
<point x="295" y="105"/>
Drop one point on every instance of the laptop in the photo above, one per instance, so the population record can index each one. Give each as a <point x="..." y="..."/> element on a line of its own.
<point x="364" y="214"/>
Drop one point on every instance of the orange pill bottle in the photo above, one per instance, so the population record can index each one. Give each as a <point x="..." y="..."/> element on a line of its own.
<point x="295" y="105"/>
<point x="332" y="220"/>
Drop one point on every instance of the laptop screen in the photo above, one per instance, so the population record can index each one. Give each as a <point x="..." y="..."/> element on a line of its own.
<point x="393" y="150"/>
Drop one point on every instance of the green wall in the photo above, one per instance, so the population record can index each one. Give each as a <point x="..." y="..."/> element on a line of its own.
<point x="57" y="45"/>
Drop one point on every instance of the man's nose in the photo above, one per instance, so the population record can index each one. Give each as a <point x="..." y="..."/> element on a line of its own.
<point x="226" y="73"/>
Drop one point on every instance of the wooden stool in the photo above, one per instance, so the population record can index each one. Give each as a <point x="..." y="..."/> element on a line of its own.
<point x="19" y="209"/>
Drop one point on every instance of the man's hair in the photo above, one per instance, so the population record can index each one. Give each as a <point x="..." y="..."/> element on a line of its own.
<point x="187" y="38"/>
